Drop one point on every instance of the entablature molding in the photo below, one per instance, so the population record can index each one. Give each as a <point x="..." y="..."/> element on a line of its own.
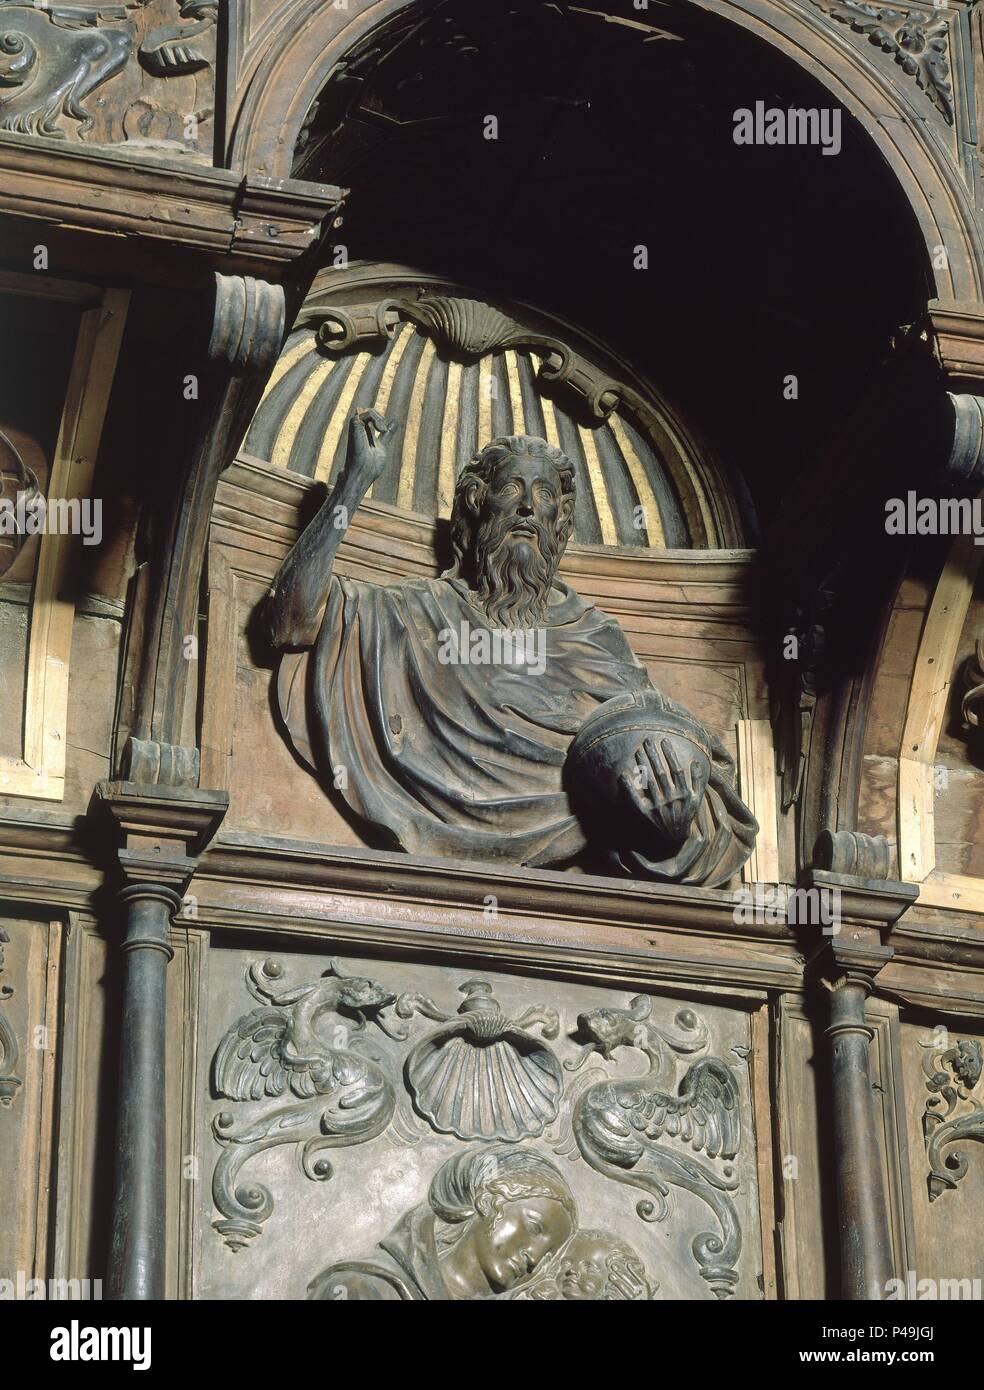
<point x="262" y="223"/>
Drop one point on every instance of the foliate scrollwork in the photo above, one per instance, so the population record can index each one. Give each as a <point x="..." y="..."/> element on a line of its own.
<point x="53" y="57"/>
<point x="953" y="1111"/>
<point x="500" y="1219"/>
<point x="917" y="42"/>
<point x="483" y="1075"/>
<point x="306" y="1043"/>
<point x="168" y="51"/>
<point x="9" y="1049"/>
<point x="618" y="1126"/>
<point x="50" y="61"/>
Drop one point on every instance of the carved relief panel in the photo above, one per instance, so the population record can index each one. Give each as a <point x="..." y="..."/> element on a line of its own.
<point x="139" y="73"/>
<point x="386" y="1130"/>
<point x="945" y="1116"/>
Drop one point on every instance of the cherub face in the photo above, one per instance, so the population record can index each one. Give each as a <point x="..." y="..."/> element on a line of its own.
<point x="514" y="1241"/>
<point x="584" y="1272"/>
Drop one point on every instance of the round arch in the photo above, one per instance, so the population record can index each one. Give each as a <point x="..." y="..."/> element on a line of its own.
<point x="314" y="37"/>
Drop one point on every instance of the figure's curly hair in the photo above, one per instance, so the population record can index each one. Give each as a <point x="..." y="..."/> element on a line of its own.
<point x="474" y="479"/>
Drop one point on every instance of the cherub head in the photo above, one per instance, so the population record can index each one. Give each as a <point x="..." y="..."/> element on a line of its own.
<point x="599" y="1267"/>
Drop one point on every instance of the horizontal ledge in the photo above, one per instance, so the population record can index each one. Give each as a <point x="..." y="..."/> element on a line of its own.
<point x="548" y="892"/>
<point x="265" y="221"/>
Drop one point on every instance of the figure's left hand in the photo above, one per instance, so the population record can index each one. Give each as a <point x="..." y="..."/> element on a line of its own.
<point x="663" y="792"/>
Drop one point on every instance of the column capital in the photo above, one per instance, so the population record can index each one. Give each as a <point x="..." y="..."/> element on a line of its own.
<point x="956" y="328"/>
<point x="856" y="960"/>
<point x="181" y="820"/>
<point x="864" y="902"/>
<point x="163" y="830"/>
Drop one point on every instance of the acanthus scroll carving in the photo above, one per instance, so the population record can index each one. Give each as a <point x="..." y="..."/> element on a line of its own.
<point x="917" y="42"/>
<point x="617" y="1126"/>
<point x="953" y="1110"/>
<point x="297" y="1044"/>
<point x="50" y="63"/>
<point x="333" y="1063"/>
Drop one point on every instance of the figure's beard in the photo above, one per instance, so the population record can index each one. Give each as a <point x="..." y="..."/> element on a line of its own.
<point x="513" y="577"/>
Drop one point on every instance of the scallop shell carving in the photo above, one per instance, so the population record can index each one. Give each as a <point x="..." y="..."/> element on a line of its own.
<point x="468" y="327"/>
<point x="483" y="1076"/>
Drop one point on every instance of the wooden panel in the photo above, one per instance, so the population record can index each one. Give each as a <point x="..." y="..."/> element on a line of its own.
<point x="927" y="706"/>
<point x="30" y="958"/>
<point x="757" y="773"/>
<point x="40" y="771"/>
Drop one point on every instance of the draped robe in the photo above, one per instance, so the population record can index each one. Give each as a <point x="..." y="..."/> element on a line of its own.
<point x="466" y="761"/>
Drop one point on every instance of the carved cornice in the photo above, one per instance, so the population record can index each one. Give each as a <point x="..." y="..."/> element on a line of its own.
<point x="957" y="328"/>
<point x="258" y="221"/>
<point x="866" y="901"/>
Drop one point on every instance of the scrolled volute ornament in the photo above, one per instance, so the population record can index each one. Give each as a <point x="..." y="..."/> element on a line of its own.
<point x="953" y="1111"/>
<point x="635" y="1131"/>
<point x="302" y="1042"/>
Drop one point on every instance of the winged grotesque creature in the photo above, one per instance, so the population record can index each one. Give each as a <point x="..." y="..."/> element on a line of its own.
<point x="300" y="1043"/>
<point x="619" y="1125"/>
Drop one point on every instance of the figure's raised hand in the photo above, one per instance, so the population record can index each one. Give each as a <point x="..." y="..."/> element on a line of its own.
<point x="369" y="435"/>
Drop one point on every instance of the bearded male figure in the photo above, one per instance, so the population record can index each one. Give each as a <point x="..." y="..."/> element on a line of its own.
<point x="539" y="750"/>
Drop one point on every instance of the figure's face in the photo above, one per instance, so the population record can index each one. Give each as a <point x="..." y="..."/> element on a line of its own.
<point x="511" y="1244"/>
<point x="523" y="500"/>
<point x="585" y="1271"/>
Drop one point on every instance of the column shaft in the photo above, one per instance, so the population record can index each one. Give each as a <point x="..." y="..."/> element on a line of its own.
<point x="138" y="1241"/>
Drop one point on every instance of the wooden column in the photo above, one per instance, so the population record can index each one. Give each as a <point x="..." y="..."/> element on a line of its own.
<point x="164" y="829"/>
<point x="864" y="906"/>
<point x="865" y="1235"/>
<point x="136" y="1258"/>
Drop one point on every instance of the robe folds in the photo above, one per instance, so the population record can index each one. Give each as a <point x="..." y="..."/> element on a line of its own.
<point x="457" y="758"/>
<point x="403" y="1268"/>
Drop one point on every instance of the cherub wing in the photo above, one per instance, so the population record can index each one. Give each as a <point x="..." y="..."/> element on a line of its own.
<point x="705" y="1114"/>
<point x="249" y="1061"/>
